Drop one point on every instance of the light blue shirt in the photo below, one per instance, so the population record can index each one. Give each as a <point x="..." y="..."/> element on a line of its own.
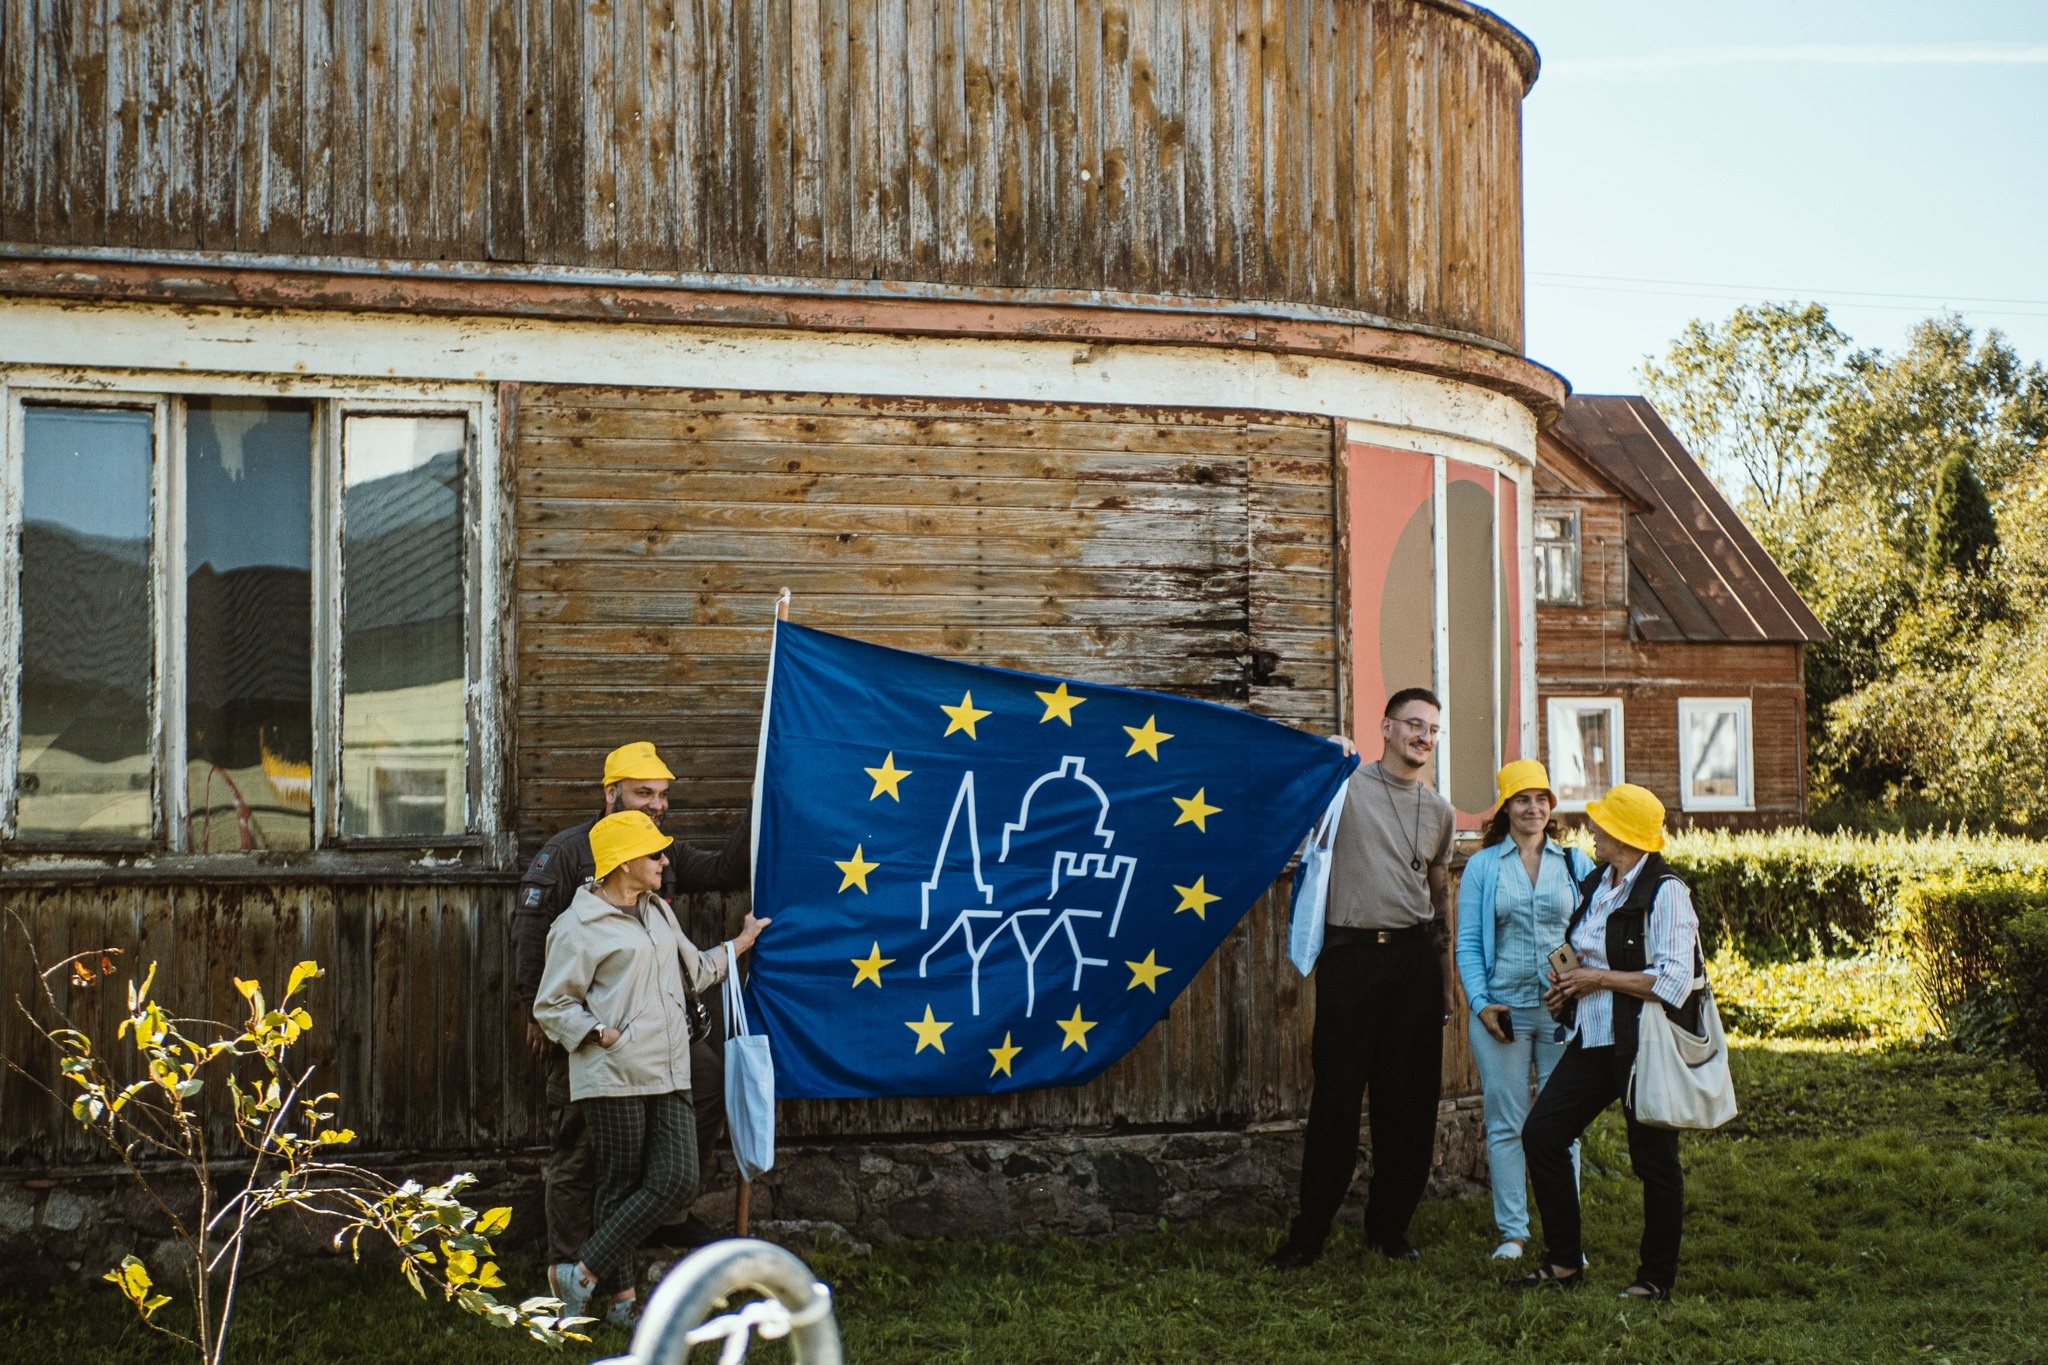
<point x="1528" y="922"/>
<point x="1508" y="926"/>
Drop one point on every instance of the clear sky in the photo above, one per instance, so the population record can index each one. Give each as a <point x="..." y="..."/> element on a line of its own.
<point x="1883" y="157"/>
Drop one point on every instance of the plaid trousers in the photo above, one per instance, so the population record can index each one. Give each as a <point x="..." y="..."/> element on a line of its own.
<point x="645" y="1151"/>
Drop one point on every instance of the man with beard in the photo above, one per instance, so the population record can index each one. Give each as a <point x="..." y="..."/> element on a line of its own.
<point x="635" y="778"/>
<point x="1383" y="991"/>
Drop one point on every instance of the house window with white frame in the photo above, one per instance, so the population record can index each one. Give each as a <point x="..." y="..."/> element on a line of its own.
<point x="1557" y="558"/>
<point x="240" y="623"/>
<point x="1585" y="748"/>
<point x="1714" y="754"/>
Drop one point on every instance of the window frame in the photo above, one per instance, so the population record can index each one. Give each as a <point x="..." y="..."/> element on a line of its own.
<point x="333" y="402"/>
<point x="1745" y="797"/>
<point x="1537" y="543"/>
<point x="1555" y="708"/>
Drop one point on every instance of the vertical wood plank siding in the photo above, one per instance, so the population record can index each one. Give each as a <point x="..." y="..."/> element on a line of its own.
<point x="1358" y="154"/>
<point x="413" y="1026"/>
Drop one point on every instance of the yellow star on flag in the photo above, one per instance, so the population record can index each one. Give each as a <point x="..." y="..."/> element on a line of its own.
<point x="887" y="777"/>
<point x="1059" y="705"/>
<point x="870" y="967"/>
<point x="856" y="869"/>
<point x="1146" y="739"/>
<point x="1196" y="897"/>
<point x="964" y="715"/>
<point x="1004" y="1055"/>
<point x="928" y="1031"/>
<point x="1195" y="810"/>
<point x="1147" y="972"/>
<point x="1076" y="1030"/>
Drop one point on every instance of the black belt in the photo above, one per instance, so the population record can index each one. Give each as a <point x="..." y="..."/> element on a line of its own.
<point x="1349" y="936"/>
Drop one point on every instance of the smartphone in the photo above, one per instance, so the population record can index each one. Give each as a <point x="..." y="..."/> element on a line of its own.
<point x="1563" y="959"/>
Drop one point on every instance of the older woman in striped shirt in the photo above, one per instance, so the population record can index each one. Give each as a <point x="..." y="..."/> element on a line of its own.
<point x="1636" y="937"/>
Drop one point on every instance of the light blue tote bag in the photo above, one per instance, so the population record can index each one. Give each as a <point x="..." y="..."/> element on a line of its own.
<point x="749" y="1083"/>
<point x="1312" y="889"/>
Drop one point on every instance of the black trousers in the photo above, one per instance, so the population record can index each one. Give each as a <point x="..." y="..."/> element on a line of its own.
<point x="1585" y="1082"/>
<point x="1379" y="1025"/>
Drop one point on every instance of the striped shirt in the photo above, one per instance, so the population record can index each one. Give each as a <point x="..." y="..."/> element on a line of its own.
<point x="1673" y="931"/>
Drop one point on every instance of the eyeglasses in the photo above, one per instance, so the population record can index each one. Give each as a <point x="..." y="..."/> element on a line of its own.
<point x="1416" y="725"/>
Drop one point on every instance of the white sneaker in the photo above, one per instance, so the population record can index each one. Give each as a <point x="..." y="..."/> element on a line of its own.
<point x="1508" y="1250"/>
<point x="571" y="1288"/>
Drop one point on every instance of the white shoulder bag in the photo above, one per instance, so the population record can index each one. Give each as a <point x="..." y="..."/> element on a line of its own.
<point x="1680" y="1079"/>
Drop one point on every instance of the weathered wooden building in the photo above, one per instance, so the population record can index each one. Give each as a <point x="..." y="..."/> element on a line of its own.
<point x="406" y="403"/>
<point x="1670" y="649"/>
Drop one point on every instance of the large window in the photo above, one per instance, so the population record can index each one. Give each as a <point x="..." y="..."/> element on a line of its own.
<point x="1585" y="748"/>
<point x="240" y="623"/>
<point x="1557" y="558"/>
<point x="1714" y="769"/>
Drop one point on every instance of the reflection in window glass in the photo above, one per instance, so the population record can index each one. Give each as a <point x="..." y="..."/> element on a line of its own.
<point x="1585" y="748"/>
<point x="402" y="709"/>
<point x="1557" y="557"/>
<point x="86" y="650"/>
<point x="248" y="624"/>
<point x="1715" y="736"/>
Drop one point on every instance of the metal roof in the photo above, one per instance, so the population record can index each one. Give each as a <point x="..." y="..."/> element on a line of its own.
<point x="1696" y="572"/>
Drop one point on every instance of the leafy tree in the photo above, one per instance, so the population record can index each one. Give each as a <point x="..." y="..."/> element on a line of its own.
<point x="1894" y="421"/>
<point x="1749" y="397"/>
<point x="1906" y="496"/>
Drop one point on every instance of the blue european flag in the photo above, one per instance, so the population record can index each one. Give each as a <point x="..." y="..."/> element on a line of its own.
<point x="985" y="880"/>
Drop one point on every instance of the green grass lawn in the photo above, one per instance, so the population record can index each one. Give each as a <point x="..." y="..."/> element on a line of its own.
<point x="1869" y="1205"/>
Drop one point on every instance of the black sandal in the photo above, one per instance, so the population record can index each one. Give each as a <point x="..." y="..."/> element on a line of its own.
<point x="1642" y="1289"/>
<point x="1546" y="1277"/>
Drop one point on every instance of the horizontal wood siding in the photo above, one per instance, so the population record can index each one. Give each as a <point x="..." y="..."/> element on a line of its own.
<point x="1187" y="551"/>
<point x="1362" y="154"/>
<point x="1588" y="653"/>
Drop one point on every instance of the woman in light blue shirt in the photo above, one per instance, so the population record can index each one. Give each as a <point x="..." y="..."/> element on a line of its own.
<point x="1514" y="899"/>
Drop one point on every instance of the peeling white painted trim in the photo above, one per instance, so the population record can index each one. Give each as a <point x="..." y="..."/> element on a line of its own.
<point x="295" y="349"/>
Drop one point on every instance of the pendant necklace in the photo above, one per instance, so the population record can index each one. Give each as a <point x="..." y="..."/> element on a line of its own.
<point x="1415" y="836"/>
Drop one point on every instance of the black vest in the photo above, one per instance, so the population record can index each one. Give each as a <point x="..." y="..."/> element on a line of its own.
<point x="1628" y="951"/>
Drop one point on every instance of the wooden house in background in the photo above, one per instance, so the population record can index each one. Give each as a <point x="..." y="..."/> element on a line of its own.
<point x="1670" y="649"/>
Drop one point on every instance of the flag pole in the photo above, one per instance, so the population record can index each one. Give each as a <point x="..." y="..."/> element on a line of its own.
<point x="743" y="1206"/>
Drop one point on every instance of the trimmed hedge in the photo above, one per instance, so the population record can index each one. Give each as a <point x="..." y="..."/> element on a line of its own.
<point x="2023" y="962"/>
<point x="1789" y="893"/>
<point x="1954" y="927"/>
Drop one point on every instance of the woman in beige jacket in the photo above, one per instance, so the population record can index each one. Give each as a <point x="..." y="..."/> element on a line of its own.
<point x="612" y="994"/>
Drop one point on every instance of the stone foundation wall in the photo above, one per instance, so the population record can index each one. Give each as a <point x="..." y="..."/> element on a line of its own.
<point x="72" y="1228"/>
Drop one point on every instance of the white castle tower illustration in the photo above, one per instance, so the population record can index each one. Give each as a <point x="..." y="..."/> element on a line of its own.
<point x="1084" y="886"/>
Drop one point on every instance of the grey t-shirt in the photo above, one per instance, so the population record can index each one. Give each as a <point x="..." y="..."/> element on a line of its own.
<point x="1388" y="825"/>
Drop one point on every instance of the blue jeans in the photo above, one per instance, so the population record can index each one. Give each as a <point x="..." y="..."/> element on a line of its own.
<point x="1504" y="1070"/>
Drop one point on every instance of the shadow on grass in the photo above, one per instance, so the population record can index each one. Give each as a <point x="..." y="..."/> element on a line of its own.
<point x="1867" y="1206"/>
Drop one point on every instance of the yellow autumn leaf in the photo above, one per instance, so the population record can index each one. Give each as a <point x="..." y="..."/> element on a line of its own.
<point x="461" y="1266"/>
<point x="247" y="988"/>
<point x="301" y="974"/>
<point x="487" y="1278"/>
<point x="494" y="1221"/>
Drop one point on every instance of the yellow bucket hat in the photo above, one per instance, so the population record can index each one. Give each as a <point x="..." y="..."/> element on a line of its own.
<point x="1631" y="814"/>
<point x="1523" y="775"/>
<point x="623" y="837"/>
<point x="635" y="762"/>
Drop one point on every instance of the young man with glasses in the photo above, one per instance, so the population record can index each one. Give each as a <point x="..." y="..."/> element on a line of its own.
<point x="1383" y="991"/>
